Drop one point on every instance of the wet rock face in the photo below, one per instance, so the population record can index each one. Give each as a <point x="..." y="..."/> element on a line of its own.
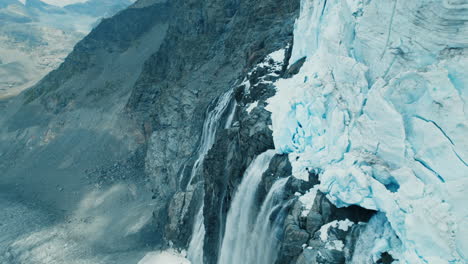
<point x="294" y="236"/>
<point x="236" y="146"/>
<point x="223" y="171"/>
<point x="279" y="168"/>
<point x="180" y="210"/>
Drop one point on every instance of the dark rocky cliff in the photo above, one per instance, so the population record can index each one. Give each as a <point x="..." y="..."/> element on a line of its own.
<point x="208" y="50"/>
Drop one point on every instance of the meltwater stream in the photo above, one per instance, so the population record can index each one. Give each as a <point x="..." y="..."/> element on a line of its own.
<point x="210" y="126"/>
<point x="251" y="237"/>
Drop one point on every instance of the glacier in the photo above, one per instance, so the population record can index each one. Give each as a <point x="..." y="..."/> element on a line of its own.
<point x="378" y="111"/>
<point x="378" y="236"/>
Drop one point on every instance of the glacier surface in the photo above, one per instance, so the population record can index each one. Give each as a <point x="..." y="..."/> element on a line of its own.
<point x="378" y="110"/>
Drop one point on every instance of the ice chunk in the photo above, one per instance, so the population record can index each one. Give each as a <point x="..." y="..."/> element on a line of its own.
<point x="378" y="237"/>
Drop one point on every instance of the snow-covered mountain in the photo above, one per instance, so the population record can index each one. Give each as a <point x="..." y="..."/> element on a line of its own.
<point x="35" y="36"/>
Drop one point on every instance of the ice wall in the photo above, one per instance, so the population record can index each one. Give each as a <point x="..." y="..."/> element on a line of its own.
<point x="378" y="109"/>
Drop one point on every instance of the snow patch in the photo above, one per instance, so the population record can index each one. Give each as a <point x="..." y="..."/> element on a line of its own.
<point x="278" y="56"/>
<point x="164" y="257"/>
<point x="251" y="106"/>
<point x="307" y="200"/>
<point x="340" y="224"/>
<point x="63" y="3"/>
<point x="274" y="60"/>
<point x="335" y="245"/>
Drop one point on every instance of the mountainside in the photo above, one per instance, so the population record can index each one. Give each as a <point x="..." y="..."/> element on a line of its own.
<point x="35" y="37"/>
<point x="257" y="132"/>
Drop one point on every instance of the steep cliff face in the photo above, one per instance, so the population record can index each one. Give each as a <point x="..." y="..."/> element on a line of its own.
<point x="209" y="47"/>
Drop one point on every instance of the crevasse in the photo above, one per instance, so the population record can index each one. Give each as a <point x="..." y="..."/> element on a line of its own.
<point x="378" y="109"/>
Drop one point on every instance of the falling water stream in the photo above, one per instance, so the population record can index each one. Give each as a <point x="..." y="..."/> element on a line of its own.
<point x="195" y="250"/>
<point x="251" y="236"/>
<point x="231" y="115"/>
<point x="268" y="228"/>
<point x="210" y="126"/>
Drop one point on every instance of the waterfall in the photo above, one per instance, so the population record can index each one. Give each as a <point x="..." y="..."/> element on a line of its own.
<point x="268" y="228"/>
<point x="251" y="237"/>
<point x="195" y="251"/>
<point x="231" y="115"/>
<point x="210" y="126"/>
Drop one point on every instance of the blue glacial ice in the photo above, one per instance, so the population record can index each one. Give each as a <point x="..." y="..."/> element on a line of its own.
<point x="378" y="110"/>
<point x="376" y="238"/>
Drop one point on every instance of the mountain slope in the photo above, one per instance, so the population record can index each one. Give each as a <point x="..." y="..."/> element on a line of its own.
<point x="36" y="37"/>
<point x="67" y="160"/>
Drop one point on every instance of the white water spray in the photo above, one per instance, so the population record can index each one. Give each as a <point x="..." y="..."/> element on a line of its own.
<point x="231" y="116"/>
<point x="250" y="238"/>
<point x="210" y="126"/>
<point x="195" y="251"/>
<point x="265" y="238"/>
